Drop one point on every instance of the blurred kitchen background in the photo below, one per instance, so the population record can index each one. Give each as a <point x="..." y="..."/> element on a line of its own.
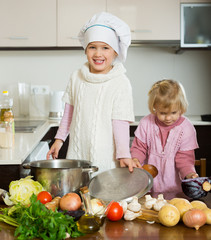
<point x="144" y="65"/>
<point x="39" y="47"/>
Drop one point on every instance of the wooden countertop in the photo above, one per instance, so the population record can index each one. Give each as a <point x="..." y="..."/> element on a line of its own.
<point x="138" y="229"/>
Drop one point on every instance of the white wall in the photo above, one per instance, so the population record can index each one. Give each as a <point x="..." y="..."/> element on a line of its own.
<point x="144" y="65"/>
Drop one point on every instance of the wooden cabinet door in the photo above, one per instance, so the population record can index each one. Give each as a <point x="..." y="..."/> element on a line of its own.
<point x="72" y="15"/>
<point x="149" y="19"/>
<point x="27" y="23"/>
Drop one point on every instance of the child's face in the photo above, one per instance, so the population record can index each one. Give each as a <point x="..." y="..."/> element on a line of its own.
<point x="168" y="116"/>
<point x="100" y="57"/>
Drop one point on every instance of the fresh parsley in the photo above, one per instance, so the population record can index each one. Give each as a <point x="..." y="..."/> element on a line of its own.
<point x="36" y="221"/>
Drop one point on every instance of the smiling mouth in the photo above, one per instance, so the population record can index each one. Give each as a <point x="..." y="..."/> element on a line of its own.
<point x="98" y="61"/>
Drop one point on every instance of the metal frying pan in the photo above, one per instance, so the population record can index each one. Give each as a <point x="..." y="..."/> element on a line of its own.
<point x="118" y="184"/>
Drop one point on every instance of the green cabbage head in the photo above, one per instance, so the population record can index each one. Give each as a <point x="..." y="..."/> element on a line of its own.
<point x="21" y="190"/>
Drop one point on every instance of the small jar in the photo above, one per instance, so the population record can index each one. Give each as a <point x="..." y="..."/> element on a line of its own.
<point x="6" y="135"/>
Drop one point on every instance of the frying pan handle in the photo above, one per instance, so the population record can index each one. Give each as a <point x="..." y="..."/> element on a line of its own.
<point x="91" y="169"/>
<point x="26" y="166"/>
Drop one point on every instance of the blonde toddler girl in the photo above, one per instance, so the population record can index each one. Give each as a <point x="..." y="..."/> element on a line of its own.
<point x="166" y="138"/>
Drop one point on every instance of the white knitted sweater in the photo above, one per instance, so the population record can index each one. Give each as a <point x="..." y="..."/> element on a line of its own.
<point x="97" y="99"/>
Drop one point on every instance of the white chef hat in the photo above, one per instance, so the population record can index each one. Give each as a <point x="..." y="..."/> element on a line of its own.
<point x="105" y="27"/>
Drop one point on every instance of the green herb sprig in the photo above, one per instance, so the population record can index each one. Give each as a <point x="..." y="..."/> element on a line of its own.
<point x="36" y="221"/>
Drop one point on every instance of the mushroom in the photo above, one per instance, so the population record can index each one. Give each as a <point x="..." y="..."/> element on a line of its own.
<point x="134" y="206"/>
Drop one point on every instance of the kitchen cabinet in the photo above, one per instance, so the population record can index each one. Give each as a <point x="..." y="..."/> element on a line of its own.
<point x="149" y="19"/>
<point x="9" y="173"/>
<point x="72" y="15"/>
<point x="195" y="1"/>
<point x="27" y="23"/>
<point x="204" y="150"/>
<point x="56" y="23"/>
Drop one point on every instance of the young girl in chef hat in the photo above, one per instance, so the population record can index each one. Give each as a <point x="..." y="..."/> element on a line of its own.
<point x="98" y="98"/>
<point x="165" y="138"/>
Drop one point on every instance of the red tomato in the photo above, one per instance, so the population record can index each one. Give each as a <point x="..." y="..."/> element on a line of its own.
<point x="115" y="211"/>
<point x="44" y="197"/>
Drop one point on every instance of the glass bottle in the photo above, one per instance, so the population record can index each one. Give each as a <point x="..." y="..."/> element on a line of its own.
<point x="6" y="104"/>
<point x="7" y="126"/>
<point x="87" y="223"/>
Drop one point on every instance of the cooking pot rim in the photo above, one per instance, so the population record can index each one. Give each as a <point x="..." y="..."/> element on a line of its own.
<point x="57" y="164"/>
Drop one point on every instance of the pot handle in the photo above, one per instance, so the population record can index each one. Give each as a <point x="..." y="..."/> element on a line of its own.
<point x="90" y="169"/>
<point x="26" y="166"/>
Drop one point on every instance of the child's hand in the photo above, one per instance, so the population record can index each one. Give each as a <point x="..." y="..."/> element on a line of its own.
<point x="192" y="175"/>
<point x="130" y="163"/>
<point x="54" y="150"/>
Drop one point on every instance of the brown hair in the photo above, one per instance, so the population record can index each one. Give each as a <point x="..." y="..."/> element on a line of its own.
<point x="167" y="93"/>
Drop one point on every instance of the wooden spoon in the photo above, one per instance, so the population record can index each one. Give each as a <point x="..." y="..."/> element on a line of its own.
<point x="151" y="169"/>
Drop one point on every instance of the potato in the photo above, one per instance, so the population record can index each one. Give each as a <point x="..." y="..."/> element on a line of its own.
<point x="198" y="204"/>
<point x="183" y="206"/>
<point x="175" y="200"/>
<point x="207" y="211"/>
<point x="169" y="215"/>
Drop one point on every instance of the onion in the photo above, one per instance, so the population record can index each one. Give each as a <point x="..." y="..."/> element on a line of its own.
<point x="194" y="218"/>
<point x="70" y="202"/>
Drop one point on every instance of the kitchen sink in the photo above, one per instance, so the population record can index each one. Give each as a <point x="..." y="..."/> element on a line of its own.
<point x="27" y="126"/>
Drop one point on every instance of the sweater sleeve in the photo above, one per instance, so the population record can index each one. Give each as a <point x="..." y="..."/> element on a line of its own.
<point x="64" y="126"/>
<point x="189" y="139"/>
<point x="122" y="138"/>
<point x="139" y="150"/>
<point x="185" y="162"/>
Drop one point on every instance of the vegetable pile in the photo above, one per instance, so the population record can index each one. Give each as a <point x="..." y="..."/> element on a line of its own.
<point x="36" y="221"/>
<point x="193" y="214"/>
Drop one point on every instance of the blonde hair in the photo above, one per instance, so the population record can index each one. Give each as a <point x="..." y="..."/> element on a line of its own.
<point x="167" y="93"/>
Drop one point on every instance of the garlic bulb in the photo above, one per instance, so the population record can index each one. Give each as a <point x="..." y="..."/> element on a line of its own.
<point x="159" y="203"/>
<point x="149" y="201"/>
<point x="134" y="206"/>
<point x="130" y="215"/>
<point x="124" y="205"/>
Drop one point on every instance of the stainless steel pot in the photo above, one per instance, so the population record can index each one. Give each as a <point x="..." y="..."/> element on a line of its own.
<point x="61" y="176"/>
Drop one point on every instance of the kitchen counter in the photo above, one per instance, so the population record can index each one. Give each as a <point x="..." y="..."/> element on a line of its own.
<point x="137" y="229"/>
<point x="25" y="143"/>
